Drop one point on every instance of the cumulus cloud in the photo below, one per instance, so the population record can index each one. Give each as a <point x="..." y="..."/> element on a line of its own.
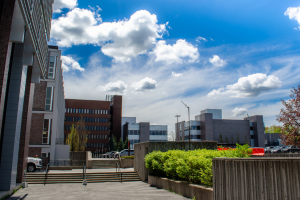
<point x="250" y="86"/>
<point x="144" y="85"/>
<point x="293" y="13"/>
<point x="176" y="75"/>
<point x="69" y="63"/>
<point x="199" y="38"/>
<point x="176" y="53"/>
<point x="60" y="4"/>
<point x="121" y="40"/>
<point x="239" y="111"/>
<point x="115" y="87"/>
<point x="217" y="61"/>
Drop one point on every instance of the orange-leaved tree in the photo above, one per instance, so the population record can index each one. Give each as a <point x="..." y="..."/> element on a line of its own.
<point x="290" y="117"/>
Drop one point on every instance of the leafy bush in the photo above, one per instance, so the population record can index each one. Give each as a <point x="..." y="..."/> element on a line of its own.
<point x="128" y="157"/>
<point x="191" y="166"/>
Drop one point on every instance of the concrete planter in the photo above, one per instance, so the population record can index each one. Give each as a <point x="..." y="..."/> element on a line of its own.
<point x="185" y="189"/>
<point x="126" y="163"/>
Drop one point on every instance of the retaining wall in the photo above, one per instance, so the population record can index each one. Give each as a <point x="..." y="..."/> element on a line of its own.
<point x="185" y="189"/>
<point x="256" y="178"/>
<point x="283" y="155"/>
<point x="126" y="163"/>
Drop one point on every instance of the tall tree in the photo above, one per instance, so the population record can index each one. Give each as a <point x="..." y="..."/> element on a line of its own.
<point x="73" y="139"/>
<point x="120" y="145"/>
<point x="273" y="129"/>
<point x="82" y="132"/>
<point x="125" y="144"/>
<point x="113" y="143"/>
<point x="290" y="117"/>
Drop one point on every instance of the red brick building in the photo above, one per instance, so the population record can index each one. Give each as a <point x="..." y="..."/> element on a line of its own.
<point x="102" y="119"/>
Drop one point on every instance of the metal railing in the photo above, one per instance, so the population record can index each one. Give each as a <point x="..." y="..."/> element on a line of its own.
<point x="118" y="169"/>
<point x="46" y="173"/>
<point x="84" y="175"/>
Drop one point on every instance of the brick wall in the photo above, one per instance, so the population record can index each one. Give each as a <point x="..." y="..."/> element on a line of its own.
<point x="25" y="127"/>
<point x="35" y="151"/>
<point x="6" y="10"/>
<point x="36" y="132"/>
<point x="40" y="96"/>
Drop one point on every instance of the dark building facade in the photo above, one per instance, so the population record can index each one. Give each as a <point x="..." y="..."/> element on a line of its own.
<point x="24" y="32"/>
<point x="100" y="120"/>
<point x="210" y="126"/>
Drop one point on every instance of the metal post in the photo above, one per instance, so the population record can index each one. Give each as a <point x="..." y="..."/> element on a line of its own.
<point x="189" y="125"/>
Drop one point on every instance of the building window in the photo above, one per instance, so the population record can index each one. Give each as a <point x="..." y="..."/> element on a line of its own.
<point x="52" y="65"/>
<point x="49" y="98"/>
<point x="46" y="131"/>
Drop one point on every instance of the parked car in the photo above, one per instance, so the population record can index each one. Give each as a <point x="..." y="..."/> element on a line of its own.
<point x="33" y="164"/>
<point x="286" y="149"/>
<point x="269" y="149"/>
<point x="276" y="149"/>
<point x="124" y="153"/>
<point x="111" y="154"/>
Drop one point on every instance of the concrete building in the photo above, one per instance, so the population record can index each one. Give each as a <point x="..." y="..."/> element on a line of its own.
<point x="102" y="119"/>
<point x="47" y="127"/>
<point x="210" y="126"/>
<point x="273" y="139"/>
<point x="130" y="120"/>
<point x="24" y="32"/>
<point x="144" y="132"/>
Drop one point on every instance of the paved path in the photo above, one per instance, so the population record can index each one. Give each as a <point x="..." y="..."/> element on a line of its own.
<point x="109" y="190"/>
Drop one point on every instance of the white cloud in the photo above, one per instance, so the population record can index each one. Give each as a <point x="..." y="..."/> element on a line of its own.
<point x="199" y="38"/>
<point x="239" y="111"/>
<point x="114" y="87"/>
<point x="144" y="84"/>
<point x="250" y="86"/>
<point x="60" y="4"/>
<point x="293" y="13"/>
<point x="217" y="61"/>
<point x="69" y="63"/>
<point x="176" y="75"/>
<point x="211" y="39"/>
<point x="176" y="53"/>
<point x="121" y="40"/>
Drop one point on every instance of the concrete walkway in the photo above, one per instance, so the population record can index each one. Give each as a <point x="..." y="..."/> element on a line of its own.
<point x="107" y="190"/>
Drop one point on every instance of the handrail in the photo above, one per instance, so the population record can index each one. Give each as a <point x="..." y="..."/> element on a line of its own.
<point x="84" y="174"/>
<point x="118" y="168"/>
<point x="46" y="173"/>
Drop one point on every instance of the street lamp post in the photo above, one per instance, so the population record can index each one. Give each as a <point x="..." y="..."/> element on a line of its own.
<point x="189" y="125"/>
<point x="177" y="125"/>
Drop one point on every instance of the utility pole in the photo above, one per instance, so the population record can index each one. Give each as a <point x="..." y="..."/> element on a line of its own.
<point x="177" y="125"/>
<point x="189" y="124"/>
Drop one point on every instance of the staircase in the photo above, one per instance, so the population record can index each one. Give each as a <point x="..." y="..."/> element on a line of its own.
<point x="52" y="178"/>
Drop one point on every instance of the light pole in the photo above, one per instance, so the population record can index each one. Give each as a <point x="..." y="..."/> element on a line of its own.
<point x="177" y="125"/>
<point x="189" y="125"/>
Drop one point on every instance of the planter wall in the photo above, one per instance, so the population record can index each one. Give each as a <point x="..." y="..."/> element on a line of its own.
<point x="126" y="163"/>
<point x="184" y="189"/>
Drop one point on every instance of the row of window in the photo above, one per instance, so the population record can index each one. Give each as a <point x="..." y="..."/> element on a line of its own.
<point x="193" y="128"/>
<point x="86" y="119"/>
<point x="96" y="145"/>
<point x="158" y="133"/>
<point x="91" y="128"/>
<point x="134" y="132"/>
<point x="158" y="140"/>
<point x="192" y="137"/>
<point x="86" y="111"/>
<point x="46" y="131"/>
<point x="134" y="141"/>
<point x="97" y="137"/>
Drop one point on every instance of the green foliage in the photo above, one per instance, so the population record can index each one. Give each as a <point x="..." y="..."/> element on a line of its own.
<point x="73" y="140"/>
<point x="125" y="144"/>
<point x="273" y="129"/>
<point x="191" y="166"/>
<point x="120" y="145"/>
<point x="113" y="143"/>
<point x="128" y="157"/>
<point x="238" y="138"/>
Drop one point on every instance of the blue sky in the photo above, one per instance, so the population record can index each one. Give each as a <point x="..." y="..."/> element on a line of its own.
<point x="238" y="56"/>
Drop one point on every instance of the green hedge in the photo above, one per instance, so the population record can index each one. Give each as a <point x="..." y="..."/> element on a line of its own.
<point x="192" y="166"/>
<point x="128" y="157"/>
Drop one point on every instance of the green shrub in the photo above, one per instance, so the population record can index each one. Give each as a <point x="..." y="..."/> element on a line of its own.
<point x="128" y="157"/>
<point x="191" y="166"/>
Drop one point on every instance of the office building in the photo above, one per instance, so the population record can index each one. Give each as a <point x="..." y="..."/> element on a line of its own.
<point x="24" y="32"/>
<point x="144" y="132"/>
<point x="102" y="119"/>
<point x="210" y="126"/>
<point x="47" y="126"/>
